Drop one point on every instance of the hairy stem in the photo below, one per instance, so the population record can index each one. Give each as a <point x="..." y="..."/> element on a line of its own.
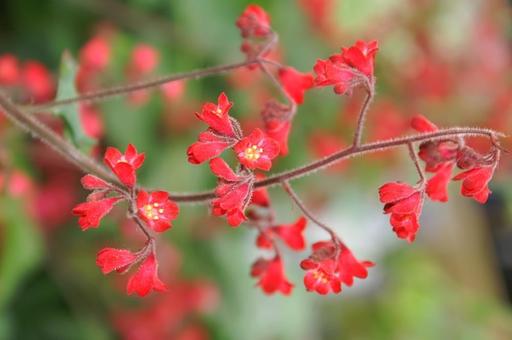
<point x="88" y="165"/>
<point x="358" y="135"/>
<point x="114" y="91"/>
<point x="414" y="157"/>
<point x="296" y="199"/>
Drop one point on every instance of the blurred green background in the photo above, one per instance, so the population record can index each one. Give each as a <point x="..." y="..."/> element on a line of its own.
<point x="449" y="60"/>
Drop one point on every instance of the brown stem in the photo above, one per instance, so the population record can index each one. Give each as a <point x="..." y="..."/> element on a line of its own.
<point x="296" y="199"/>
<point x="114" y="91"/>
<point x="362" y="114"/>
<point x="88" y="165"/>
<point x="414" y="157"/>
<point x="56" y="142"/>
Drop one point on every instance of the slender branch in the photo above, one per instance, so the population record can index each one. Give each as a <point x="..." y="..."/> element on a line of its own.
<point x="56" y="142"/>
<point x="88" y="165"/>
<point x="416" y="161"/>
<point x="95" y="96"/>
<point x="295" y="198"/>
<point x="362" y="115"/>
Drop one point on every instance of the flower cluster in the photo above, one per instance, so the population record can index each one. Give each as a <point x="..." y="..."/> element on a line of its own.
<point x="348" y="69"/>
<point x="254" y="26"/>
<point x="153" y="209"/>
<point x="404" y="202"/>
<point x="255" y="151"/>
<point x="330" y="265"/>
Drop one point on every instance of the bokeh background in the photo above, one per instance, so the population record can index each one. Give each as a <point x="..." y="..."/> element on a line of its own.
<point x="450" y="60"/>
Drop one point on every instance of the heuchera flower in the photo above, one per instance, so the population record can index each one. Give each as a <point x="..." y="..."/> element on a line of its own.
<point x="254" y="22"/>
<point x="277" y="123"/>
<point x="328" y="267"/>
<point x="475" y="182"/>
<point x="146" y="278"/>
<point x="9" y="70"/>
<point x="95" y="54"/>
<point x="257" y="151"/>
<point x="404" y="203"/>
<point x="156" y="209"/>
<point x="341" y="70"/>
<point x="271" y="276"/>
<point x="124" y="165"/>
<point x="217" y="116"/>
<point x="233" y="192"/>
<point x="436" y="188"/>
<point x="292" y="235"/>
<point x="110" y="259"/>
<point x="208" y="146"/>
<point x="91" y="213"/>
<point x="144" y="60"/>
<point x="38" y="82"/>
<point x="295" y="83"/>
<point x="260" y="196"/>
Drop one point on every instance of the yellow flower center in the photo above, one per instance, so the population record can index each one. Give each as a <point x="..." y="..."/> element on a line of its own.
<point x="152" y="212"/>
<point x="253" y="153"/>
<point x="218" y="112"/>
<point x="320" y="276"/>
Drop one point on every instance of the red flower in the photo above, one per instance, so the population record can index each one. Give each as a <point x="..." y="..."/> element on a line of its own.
<point x="95" y="54"/>
<point x="349" y="267"/>
<point x="9" y="70"/>
<point x="292" y="234"/>
<point x="475" y="182"/>
<point x="208" y="146"/>
<point x="144" y="60"/>
<point x="91" y="182"/>
<point x="146" y="278"/>
<point x="341" y="70"/>
<point x="320" y="276"/>
<point x="254" y="22"/>
<point x="156" y="209"/>
<point x="277" y="123"/>
<point x="256" y="151"/>
<point x="38" y="82"/>
<point x="330" y="265"/>
<point x="436" y="188"/>
<point x="110" y="259"/>
<point x="421" y="124"/>
<point x="404" y="203"/>
<point x="295" y="83"/>
<point x="124" y="165"/>
<point x="90" y="117"/>
<point x="91" y="213"/>
<point x="260" y="196"/>
<point x="217" y="116"/>
<point x="233" y="192"/>
<point x="271" y="276"/>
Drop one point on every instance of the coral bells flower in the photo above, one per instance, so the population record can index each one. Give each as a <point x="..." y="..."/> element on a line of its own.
<point x="436" y="188"/>
<point x="110" y="259"/>
<point x="404" y="203"/>
<point x="291" y="234"/>
<point x="330" y="265"/>
<point x="9" y="70"/>
<point x="124" y="165"/>
<point x="271" y="276"/>
<point x="254" y="22"/>
<point x="156" y="209"/>
<point x="421" y="124"/>
<point x="277" y="123"/>
<point x="38" y="82"/>
<point x="257" y="151"/>
<point x="475" y="182"/>
<point x="208" y="146"/>
<point x="146" y="278"/>
<point x="217" y="116"/>
<point x="295" y="83"/>
<point x="91" y="213"/>
<point x="345" y="70"/>
<point x="233" y="192"/>
<point x="95" y="54"/>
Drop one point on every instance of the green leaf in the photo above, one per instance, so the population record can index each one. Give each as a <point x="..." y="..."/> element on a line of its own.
<point x="70" y="113"/>
<point x="21" y="249"/>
